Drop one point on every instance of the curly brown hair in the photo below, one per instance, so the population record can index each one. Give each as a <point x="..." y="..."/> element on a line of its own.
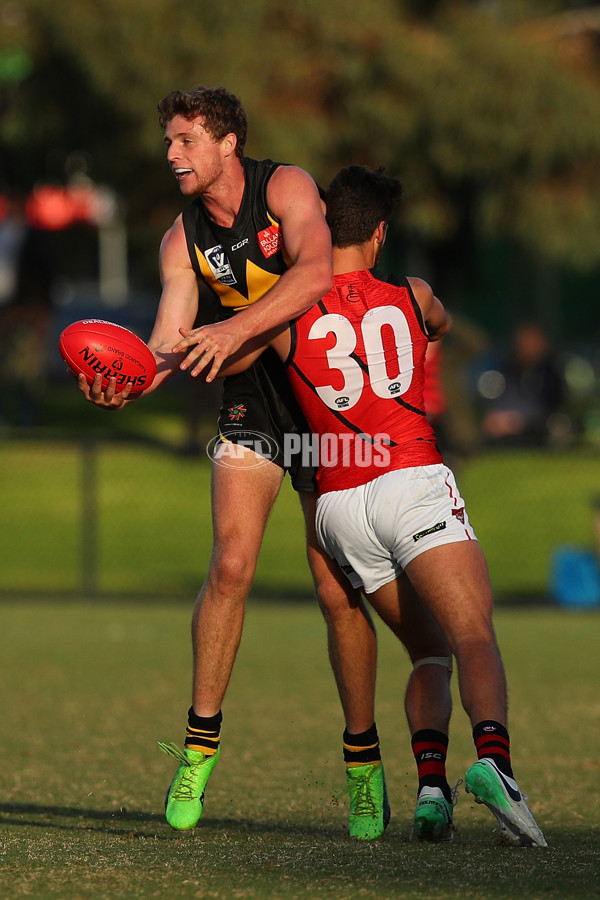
<point x="221" y="111"/>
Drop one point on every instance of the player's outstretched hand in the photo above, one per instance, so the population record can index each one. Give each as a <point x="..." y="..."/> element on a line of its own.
<point x="209" y="345"/>
<point x="108" y="399"/>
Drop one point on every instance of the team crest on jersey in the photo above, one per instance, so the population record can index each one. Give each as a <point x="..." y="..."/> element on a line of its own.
<point x="270" y="240"/>
<point x="219" y="264"/>
<point x="236" y="412"/>
<point x="460" y="514"/>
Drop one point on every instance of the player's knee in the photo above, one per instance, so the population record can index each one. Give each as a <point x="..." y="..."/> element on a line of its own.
<point x="231" y="572"/>
<point x="336" y="602"/>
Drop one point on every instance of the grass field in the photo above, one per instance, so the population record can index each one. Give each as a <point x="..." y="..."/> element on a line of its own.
<point x="148" y="519"/>
<point x="88" y="690"/>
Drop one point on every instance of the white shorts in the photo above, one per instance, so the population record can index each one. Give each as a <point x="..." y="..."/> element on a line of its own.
<point x="375" y="530"/>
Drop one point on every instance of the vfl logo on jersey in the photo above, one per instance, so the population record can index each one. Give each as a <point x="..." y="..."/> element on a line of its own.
<point x="342" y="402"/>
<point x="270" y="240"/>
<point x="219" y="264"/>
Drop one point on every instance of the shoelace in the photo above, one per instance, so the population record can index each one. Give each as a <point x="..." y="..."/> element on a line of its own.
<point x="174" y="751"/>
<point x="185" y="788"/>
<point x="360" y="787"/>
<point x="454" y="792"/>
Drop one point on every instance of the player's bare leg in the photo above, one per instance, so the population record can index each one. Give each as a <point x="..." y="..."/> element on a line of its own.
<point x="351" y="637"/>
<point x="428" y="703"/>
<point x="454" y="582"/>
<point x="352" y="645"/>
<point x="244" y="488"/>
<point x="243" y="492"/>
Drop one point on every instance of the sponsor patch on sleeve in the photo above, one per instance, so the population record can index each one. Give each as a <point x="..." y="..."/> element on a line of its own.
<point x="270" y="240"/>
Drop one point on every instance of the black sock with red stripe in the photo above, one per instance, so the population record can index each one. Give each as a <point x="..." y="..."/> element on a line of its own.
<point x="430" y="748"/>
<point x="492" y="741"/>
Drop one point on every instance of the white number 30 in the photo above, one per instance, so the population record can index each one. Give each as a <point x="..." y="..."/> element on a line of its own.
<point x="340" y="358"/>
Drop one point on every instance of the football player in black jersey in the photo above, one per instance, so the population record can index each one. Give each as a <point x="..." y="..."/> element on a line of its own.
<point x="263" y="273"/>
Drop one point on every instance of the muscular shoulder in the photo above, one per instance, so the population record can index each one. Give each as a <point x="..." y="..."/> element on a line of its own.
<point x="290" y="185"/>
<point x="422" y="292"/>
<point x="434" y="314"/>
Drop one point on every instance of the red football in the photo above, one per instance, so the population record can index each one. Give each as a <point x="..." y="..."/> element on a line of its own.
<point x="94" y="346"/>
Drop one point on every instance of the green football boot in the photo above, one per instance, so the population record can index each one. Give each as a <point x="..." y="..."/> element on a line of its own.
<point x="433" y="817"/>
<point x="503" y="797"/>
<point x="369" y="807"/>
<point x="185" y="798"/>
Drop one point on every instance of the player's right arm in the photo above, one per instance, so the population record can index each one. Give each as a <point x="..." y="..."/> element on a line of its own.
<point x="435" y="316"/>
<point x="178" y="307"/>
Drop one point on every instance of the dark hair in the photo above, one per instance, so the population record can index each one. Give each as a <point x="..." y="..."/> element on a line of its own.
<point x="357" y="200"/>
<point x="221" y="111"/>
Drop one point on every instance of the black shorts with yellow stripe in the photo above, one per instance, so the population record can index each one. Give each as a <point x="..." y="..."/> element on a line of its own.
<point x="259" y="411"/>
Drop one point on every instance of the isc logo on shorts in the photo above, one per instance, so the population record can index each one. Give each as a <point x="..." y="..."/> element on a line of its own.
<point x="439" y="527"/>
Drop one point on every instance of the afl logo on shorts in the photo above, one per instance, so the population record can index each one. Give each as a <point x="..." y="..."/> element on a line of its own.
<point x="228" y="448"/>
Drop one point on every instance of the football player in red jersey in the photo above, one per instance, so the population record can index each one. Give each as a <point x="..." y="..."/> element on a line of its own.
<point x="388" y="508"/>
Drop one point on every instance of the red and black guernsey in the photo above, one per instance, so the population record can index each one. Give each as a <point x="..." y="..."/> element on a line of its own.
<point x="356" y="365"/>
<point x="239" y="264"/>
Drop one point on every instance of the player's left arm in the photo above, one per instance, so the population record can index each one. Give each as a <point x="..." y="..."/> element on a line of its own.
<point x="435" y="316"/>
<point x="278" y="338"/>
<point x="292" y="197"/>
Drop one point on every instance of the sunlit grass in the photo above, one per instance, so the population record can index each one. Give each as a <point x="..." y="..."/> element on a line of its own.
<point x="88" y="690"/>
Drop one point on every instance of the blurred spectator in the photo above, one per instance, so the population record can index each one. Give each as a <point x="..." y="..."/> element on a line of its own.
<point x="449" y="400"/>
<point x="25" y="308"/>
<point x="526" y="392"/>
<point x="12" y="235"/>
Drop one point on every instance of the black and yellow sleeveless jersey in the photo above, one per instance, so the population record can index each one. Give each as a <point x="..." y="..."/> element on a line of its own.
<point x="239" y="264"/>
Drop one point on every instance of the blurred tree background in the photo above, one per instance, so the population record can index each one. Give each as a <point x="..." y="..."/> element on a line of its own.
<point x="489" y="112"/>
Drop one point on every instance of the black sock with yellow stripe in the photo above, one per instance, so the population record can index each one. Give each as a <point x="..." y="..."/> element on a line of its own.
<point x="361" y="749"/>
<point x="203" y="733"/>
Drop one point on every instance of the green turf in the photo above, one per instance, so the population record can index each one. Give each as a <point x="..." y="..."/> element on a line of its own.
<point x="88" y="689"/>
<point x="151" y="529"/>
<point x="525" y="503"/>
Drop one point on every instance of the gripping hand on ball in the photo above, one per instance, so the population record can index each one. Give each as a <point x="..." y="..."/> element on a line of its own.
<point x="108" y="399"/>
